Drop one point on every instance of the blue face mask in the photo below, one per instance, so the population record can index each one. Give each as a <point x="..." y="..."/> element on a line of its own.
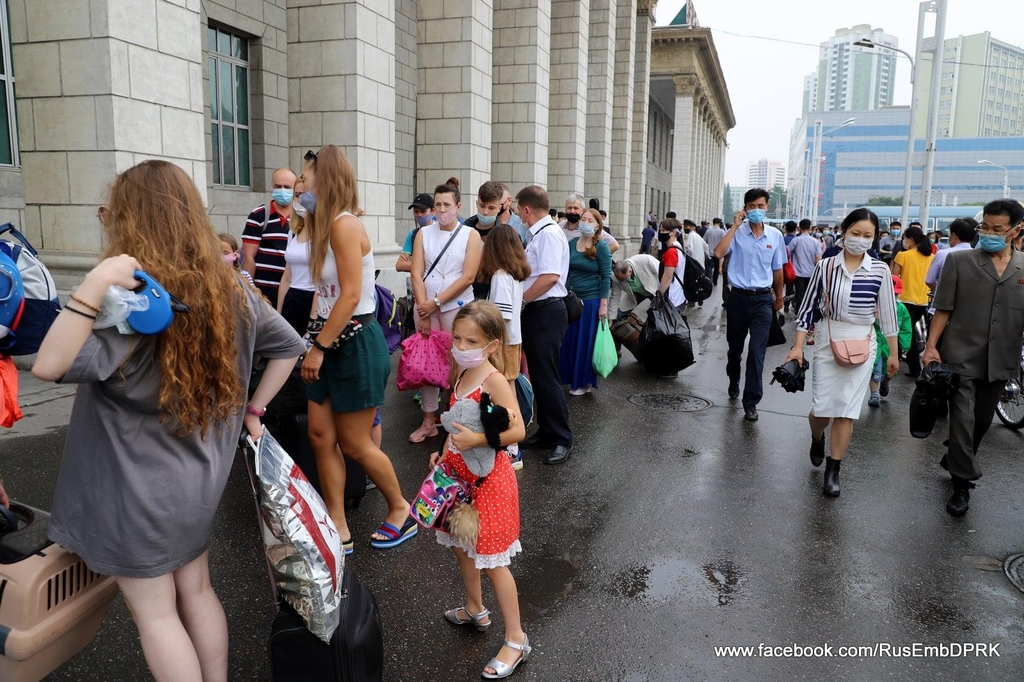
<point x="992" y="243"/>
<point x="283" y="196"/>
<point x="485" y="220"/>
<point x="308" y="201"/>
<point x="586" y="229"/>
<point x="755" y="216"/>
<point x="424" y="220"/>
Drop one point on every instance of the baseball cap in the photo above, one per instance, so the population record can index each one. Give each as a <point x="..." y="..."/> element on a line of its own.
<point x="422" y="201"/>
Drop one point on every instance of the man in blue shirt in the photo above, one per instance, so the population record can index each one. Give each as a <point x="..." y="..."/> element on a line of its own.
<point x="757" y="253"/>
<point x="804" y="252"/>
<point x="647" y="239"/>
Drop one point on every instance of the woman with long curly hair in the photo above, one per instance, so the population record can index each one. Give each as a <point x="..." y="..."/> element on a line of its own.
<point x="346" y="370"/>
<point x="156" y="418"/>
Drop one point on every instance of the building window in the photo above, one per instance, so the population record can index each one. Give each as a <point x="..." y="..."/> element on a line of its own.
<point x="8" y="115"/>
<point x="229" y="107"/>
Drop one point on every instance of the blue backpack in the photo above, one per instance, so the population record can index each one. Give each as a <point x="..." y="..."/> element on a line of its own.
<point x="40" y="306"/>
<point x="389" y="317"/>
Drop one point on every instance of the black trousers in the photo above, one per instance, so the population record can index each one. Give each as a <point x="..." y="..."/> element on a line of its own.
<point x="748" y="314"/>
<point x="725" y="279"/>
<point x="972" y="408"/>
<point x="544" y="325"/>
<point x="716" y="267"/>
<point x="917" y="312"/>
<point x="801" y="291"/>
<point x="297" y="308"/>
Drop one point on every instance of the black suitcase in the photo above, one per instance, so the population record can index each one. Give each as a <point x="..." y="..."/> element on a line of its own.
<point x="355" y="654"/>
<point x="355" y="477"/>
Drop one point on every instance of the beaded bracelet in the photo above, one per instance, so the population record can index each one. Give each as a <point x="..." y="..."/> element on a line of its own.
<point x="253" y="411"/>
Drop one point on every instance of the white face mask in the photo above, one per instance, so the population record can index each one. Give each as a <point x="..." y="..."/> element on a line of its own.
<point x="299" y="209"/>
<point x="857" y="246"/>
<point x="468" y="359"/>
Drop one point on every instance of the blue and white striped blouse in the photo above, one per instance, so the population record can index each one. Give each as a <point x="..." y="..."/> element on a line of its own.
<point x="853" y="297"/>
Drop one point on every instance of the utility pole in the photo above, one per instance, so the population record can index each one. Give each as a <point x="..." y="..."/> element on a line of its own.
<point x="937" y="48"/>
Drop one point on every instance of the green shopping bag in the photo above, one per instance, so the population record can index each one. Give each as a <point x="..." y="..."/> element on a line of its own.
<point x="605" y="355"/>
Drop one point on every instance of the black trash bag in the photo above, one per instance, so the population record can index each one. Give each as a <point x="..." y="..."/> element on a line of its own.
<point x="791" y="375"/>
<point x="776" y="337"/>
<point x="935" y="386"/>
<point x="665" y="340"/>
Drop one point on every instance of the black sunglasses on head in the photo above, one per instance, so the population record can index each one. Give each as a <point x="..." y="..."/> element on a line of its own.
<point x="310" y="156"/>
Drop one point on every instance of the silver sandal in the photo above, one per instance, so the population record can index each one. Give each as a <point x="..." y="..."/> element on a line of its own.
<point x="503" y="670"/>
<point x="453" y="617"/>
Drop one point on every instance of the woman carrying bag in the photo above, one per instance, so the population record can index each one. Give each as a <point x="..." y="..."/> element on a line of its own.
<point x="590" y="278"/>
<point x="445" y="260"/>
<point x="845" y="296"/>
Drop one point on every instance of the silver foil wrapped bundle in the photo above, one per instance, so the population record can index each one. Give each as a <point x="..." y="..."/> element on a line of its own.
<point x="300" y="539"/>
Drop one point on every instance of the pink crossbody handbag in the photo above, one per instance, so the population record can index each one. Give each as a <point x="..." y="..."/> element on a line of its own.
<point x="851" y="353"/>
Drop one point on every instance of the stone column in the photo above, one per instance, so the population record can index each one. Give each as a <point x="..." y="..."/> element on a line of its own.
<point x="682" y="144"/>
<point x="622" y="113"/>
<point x="600" y="92"/>
<point x="641" y="104"/>
<point x="101" y="87"/>
<point x="716" y="178"/>
<point x="705" y="163"/>
<point x="453" y="132"/>
<point x="406" y="82"/>
<point x="567" y="134"/>
<point x="699" y="158"/>
<point x="519" y="113"/>
<point x="341" y="56"/>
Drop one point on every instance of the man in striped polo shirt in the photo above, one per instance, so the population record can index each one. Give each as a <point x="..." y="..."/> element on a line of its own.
<point x="265" y="237"/>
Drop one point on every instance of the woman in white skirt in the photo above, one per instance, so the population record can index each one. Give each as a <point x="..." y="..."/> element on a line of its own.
<point x="845" y="295"/>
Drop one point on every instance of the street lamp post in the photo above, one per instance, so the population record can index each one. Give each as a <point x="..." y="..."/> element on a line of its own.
<point x="938" y="45"/>
<point x="816" y="161"/>
<point x="1006" y="176"/>
<point x="908" y="172"/>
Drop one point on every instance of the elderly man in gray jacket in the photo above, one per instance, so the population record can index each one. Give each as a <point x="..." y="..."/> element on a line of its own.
<point x="634" y="280"/>
<point x="977" y="328"/>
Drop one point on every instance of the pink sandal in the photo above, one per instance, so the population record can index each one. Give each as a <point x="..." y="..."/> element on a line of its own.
<point x="424" y="432"/>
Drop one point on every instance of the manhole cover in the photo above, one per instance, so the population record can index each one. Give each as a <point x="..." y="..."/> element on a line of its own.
<point x="673" y="402"/>
<point x="1014" y="569"/>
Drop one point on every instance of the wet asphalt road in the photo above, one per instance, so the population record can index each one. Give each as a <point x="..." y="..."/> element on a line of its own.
<point x="667" y="534"/>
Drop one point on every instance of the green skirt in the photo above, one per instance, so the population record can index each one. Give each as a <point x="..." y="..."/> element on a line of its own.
<point x="355" y="375"/>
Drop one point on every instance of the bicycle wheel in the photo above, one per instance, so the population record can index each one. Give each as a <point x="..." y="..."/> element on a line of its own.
<point x="1010" y="407"/>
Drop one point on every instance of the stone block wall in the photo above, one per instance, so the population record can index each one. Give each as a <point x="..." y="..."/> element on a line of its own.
<point x="600" y="93"/>
<point x="622" y="114"/>
<point x="567" y="132"/>
<point x="102" y="85"/>
<point x="341" y="70"/>
<point x="453" y="130"/>
<point x="405" y="114"/>
<point x="519" y="111"/>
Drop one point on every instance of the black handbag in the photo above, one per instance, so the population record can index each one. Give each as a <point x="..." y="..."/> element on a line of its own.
<point x="573" y="307"/>
<point x="665" y="340"/>
<point x="776" y="337"/>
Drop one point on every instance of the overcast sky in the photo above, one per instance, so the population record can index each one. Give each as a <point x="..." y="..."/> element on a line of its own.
<point x="765" y="77"/>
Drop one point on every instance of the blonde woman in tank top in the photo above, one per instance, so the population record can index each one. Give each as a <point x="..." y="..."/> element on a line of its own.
<point x="442" y="280"/>
<point x="346" y="369"/>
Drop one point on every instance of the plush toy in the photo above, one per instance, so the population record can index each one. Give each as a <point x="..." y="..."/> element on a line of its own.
<point x="463" y="521"/>
<point x="486" y="418"/>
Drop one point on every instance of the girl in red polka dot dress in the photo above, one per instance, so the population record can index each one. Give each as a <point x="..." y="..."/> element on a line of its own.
<point x="478" y="347"/>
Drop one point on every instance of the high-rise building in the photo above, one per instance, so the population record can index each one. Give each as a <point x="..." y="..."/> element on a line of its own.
<point x="810" y="93"/>
<point x="765" y="173"/>
<point x="981" y="91"/>
<point x="851" y="78"/>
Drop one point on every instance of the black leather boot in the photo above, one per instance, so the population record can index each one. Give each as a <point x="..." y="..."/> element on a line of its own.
<point x="959" y="503"/>
<point x="817" y="451"/>
<point x="831" y="483"/>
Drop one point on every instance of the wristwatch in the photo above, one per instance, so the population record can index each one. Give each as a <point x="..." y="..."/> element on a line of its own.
<point x="437" y="302"/>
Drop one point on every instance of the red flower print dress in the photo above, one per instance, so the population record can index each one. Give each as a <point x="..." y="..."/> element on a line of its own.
<point x="497" y="500"/>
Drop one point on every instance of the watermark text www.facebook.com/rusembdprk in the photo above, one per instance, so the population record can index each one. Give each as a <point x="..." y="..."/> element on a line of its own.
<point x="876" y="650"/>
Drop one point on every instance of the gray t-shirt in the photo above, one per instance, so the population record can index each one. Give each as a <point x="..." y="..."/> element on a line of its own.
<point x="133" y="498"/>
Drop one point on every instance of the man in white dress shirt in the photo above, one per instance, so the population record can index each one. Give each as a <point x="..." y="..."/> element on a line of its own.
<point x="544" y="322"/>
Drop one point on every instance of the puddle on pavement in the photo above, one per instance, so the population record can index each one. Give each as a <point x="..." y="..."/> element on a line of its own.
<point x="725" y="577"/>
<point x="667" y="578"/>
<point x="546" y="581"/>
